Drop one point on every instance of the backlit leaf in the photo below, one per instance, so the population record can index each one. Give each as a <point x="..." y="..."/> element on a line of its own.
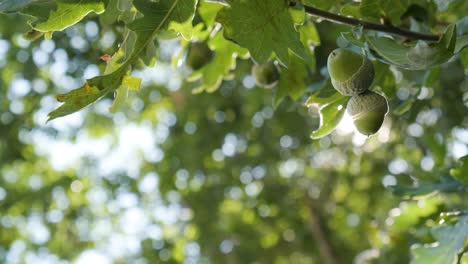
<point x="224" y="59"/>
<point x="330" y="116"/>
<point x="58" y="15"/>
<point x="91" y="91"/>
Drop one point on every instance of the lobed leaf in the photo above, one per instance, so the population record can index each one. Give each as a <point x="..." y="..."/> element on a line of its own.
<point x="174" y="15"/>
<point x="58" y="15"/>
<point x="263" y="27"/>
<point x="224" y="60"/>
<point x="158" y="17"/>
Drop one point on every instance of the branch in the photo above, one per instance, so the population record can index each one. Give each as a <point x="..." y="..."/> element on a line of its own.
<point x="369" y="25"/>
<point x="317" y="228"/>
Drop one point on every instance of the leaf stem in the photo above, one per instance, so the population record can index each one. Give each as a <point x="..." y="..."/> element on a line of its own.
<point x="369" y="25"/>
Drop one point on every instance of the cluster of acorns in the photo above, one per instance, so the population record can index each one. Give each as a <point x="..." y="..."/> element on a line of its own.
<point x="351" y="75"/>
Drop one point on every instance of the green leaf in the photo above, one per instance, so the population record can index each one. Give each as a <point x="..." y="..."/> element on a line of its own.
<point x="323" y="95"/>
<point x="464" y="58"/>
<point x="309" y="35"/>
<point x="394" y="9"/>
<point x="263" y="27"/>
<point x="123" y="53"/>
<point x="449" y="38"/>
<point x="464" y="258"/>
<point x="112" y="13"/>
<point x="208" y="11"/>
<point x="353" y="39"/>
<point x="310" y="38"/>
<point x="330" y="117"/>
<point x="158" y="17"/>
<point x="173" y="15"/>
<point x="10" y="6"/>
<point x="418" y="57"/>
<point x="373" y="10"/>
<point x="432" y="76"/>
<point x="322" y="4"/>
<point x="91" y="91"/>
<point x="423" y="56"/>
<point x="292" y="81"/>
<point x="298" y="15"/>
<point x="121" y="95"/>
<point x="32" y="35"/>
<point x="384" y="79"/>
<point x="149" y="55"/>
<point x="447" y="184"/>
<point x="224" y="60"/>
<point x="125" y="4"/>
<point x="350" y="9"/>
<point x="57" y="16"/>
<point x="404" y="107"/>
<point x="461" y="43"/>
<point x="129" y="83"/>
<point x="450" y="241"/>
<point x="370" y="8"/>
<point x="390" y="50"/>
<point x="461" y="172"/>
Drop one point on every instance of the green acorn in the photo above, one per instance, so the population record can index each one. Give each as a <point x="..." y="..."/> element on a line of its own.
<point x="266" y="75"/>
<point x="350" y="73"/>
<point x="368" y="111"/>
<point x="198" y="55"/>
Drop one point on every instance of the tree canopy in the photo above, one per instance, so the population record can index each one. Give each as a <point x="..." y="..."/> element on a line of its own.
<point x="185" y="131"/>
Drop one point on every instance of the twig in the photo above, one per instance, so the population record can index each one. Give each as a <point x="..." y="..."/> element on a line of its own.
<point x="369" y="25"/>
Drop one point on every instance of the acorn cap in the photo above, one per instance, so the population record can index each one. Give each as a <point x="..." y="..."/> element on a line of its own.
<point x="350" y="73"/>
<point x="367" y="102"/>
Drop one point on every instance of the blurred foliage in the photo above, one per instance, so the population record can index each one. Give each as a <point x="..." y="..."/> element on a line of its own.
<point x="204" y="166"/>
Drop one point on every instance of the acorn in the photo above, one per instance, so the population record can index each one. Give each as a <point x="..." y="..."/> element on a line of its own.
<point x="198" y="55"/>
<point x="368" y="111"/>
<point x="350" y="73"/>
<point x="266" y="74"/>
